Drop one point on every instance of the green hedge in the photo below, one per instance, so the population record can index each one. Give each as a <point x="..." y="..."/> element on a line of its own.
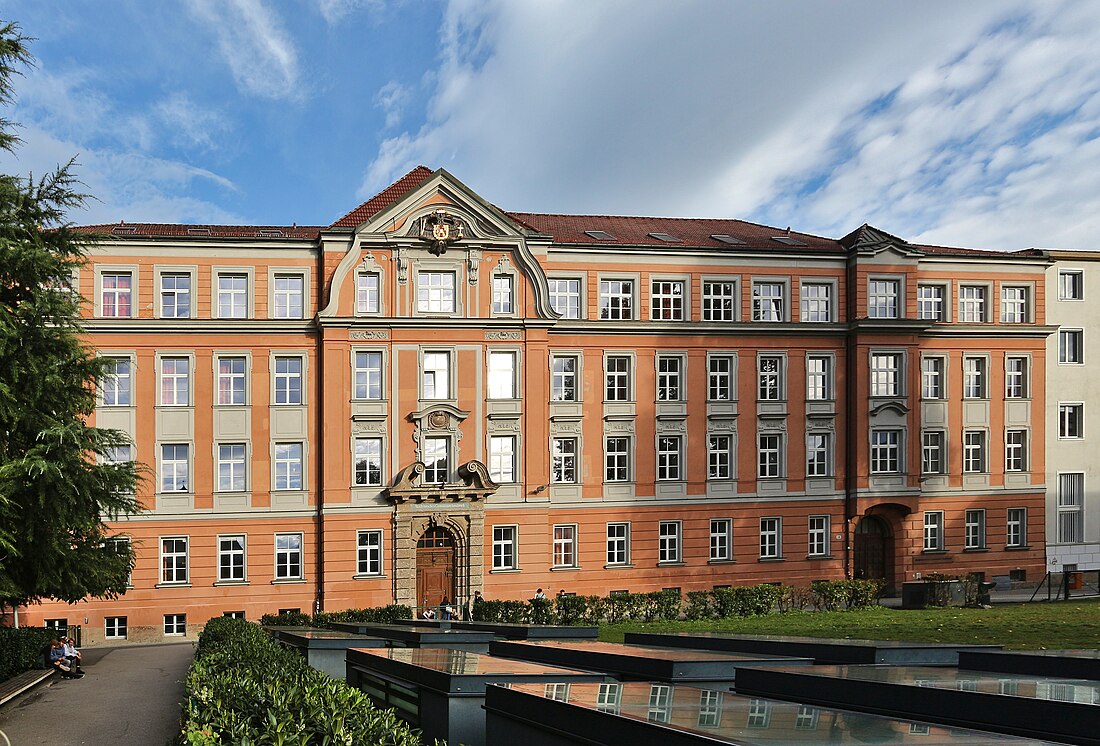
<point x="381" y="614"/>
<point x="244" y="688"/>
<point x="21" y="649"/>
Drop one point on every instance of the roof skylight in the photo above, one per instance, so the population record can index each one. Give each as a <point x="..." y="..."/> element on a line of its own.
<point x="600" y="235"/>
<point x="727" y="238"/>
<point x="789" y="240"/>
<point x="668" y="238"/>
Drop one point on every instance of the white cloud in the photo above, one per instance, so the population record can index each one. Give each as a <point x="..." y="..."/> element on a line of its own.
<point x="334" y="11"/>
<point x="190" y="125"/>
<point x="392" y="98"/>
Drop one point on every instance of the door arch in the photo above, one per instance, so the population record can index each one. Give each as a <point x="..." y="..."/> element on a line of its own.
<point x="435" y="567"/>
<point x="873" y="550"/>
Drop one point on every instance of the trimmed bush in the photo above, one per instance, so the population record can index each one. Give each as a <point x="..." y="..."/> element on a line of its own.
<point x="512" y="612"/>
<point x="293" y="619"/>
<point x="699" y="605"/>
<point x="663" y="606"/>
<point x="542" y="611"/>
<point x="746" y="600"/>
<point x="21" y="649"/>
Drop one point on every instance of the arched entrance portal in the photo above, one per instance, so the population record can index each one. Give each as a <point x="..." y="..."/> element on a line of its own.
<point x="435" y="567"/>
<point x="873" y="550"/>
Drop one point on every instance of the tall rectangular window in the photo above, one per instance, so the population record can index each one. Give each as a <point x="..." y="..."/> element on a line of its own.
<point x="886" y="374"/>
<point x="817" y="301"/>
<point x="368" y="292"/>
<point x="232" y="296"/>
<point x="721" y="539"/>
<point x="974" y="461"/>
<point x="289" y="296"/>
<point x="932" y="452"/>
<point x="771" y="538"/>
<point x="818" y="536"/>
<point x="710" y="708"/>
<point x="367" y="375"/>
<point x="175" y="381"/>
<point x="504" y="548"/>
<point x="1071" y="284"/>
<point x="769" y="456"/>
<point x="972" y="305"/>
<point x="617" y="378"/>
<point x="503" y="294"/>
<point x="669" y="384"/>
<point x="768" y="301"/>
<point x="1016" y="527"/>
<point x="974" y="530"/>
<point x="1070" y="346"/>
<point x="932" y="375"/>
<point x="175" y="295"/>
<point x="818" y="454"/>
<point x="719" y="301"/>
<point x="173" y="559"/>
<point x="116" y="383"/>
<point x="1014" y="305"/>
<point x="975" y="378"/>
<point x="1016" y="450"/>
<point x="288" y="380"/>
<point x="502" y="375"/>
<point x="565" y="297"/>
<point x="288" y="466"/>
<point x="369" y="553"/>
<point x="885" y="451"/>
<point x="882" y="299"/>
<point x="175" y="625"/>
<point x="669" y="458"/>
<point x="563" y="461"/>
<point x="231" y="467"/>
<point x="231" y="559"/>
<point x="563" y="378"/>
<point x="930" y="302"/>
<point x="117" y="295"/>
<point x="232" y="380"/>
<point x="1070" y="420"/>
<point x="660" y="703"/>
<point x="174" y="467"/>
<point x="933" y="531"/>
<point x="769" y="371"/>
<point x="435" y="292"/>
<point x="720" y="378"/>
<point x="367" y="469"/>
<point x="617" y="300"/>
<point x="819" y="378"/>
<point x="114" y="627"/>
<point x="435" y="382"/>
<point x="719" y="457"/>
<point x="618" y="543"/>
<point x="617" y="459"/>
<point x="668" y="542"/>
<point x="502" y="458"/>
<point x="288" y="556"/>
<point x="437" y="460"/>
<point x="565" y="546"/>
<point x="1015" y="377"/>
<point x="1071" y="503"/>
<point x="666" y="300"/>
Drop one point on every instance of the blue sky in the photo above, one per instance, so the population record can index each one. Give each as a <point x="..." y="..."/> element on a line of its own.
<point x="972" y="124"/>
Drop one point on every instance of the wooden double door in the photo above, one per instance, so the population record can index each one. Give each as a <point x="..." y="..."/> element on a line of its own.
<point x="873" y="550"/>
<point x="435" y="567"/>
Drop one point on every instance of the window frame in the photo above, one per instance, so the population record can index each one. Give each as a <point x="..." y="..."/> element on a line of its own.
<point x="1016" y="526"/>
<point x="934" y="539"/>
<point x="1017" y="450"/>
<point x="364" y="473"/>
<point x="283" y="392"/>
<point x="231" y="386"/>
<point x="163" y="471"/>
<point x="225" y="297"/>
<point x="234" y="464"/>
<point x="444" y="374"/>
<point x="974" y="529"/>
<point x="616" y="299"/>
<point x="940" y="450"/>
<point x="767" y="465"/>
<point x="436" y="298"/>
<point x="819" y="456"/>
<point x="1073" y="510"/>
<point x="508" y="546"/>
<point x="1021" y="388"/>
<point x="502" y="382"/>
<point x="231" y="554"/>
<point x="1071" y="420"/>
<point x="819" y="383"/>
<point x="503" y="294"/>
<point x="564" y="546"/>
<point x="818" y="530"/>
<point x="368" y="366"/>
<point x="111" y="393"/>
<point x="975" y="451"/>
<point x="887" y="375"/>
<point x="563" y="383"/>
<point x="670" y="377"/>
<point x="770" y="309"/>
<point x="976" y="378"/>
<point x="933" y="377"/>
<point x="719" y="299"/>
<point x="618" y="384"/>
<point x="665" y="303"/>
<point x="179" y="394"/>
<point x="1078" y="293"/>
<point x="497" y="459"/>
<point x="810" y="305"/>
<point x="115" y="628"/>
<point x="433" y="472"/>
<point x="715" y="378"/>
<point x="670" y="542"/>
<point x="187" y="293"/>
<point x="624" y="468"/>
<point x="1067" y="354"/>
<point x="974" y="309"/>
<point x="283" y="568"/>
<point x="556" y="295"/>
<point x="886" y="456"/>
<point x="282" y="469"/>
<point x="117" y="293"/>
<point x="279" y="274"/>
<point x="365" y="294"/>
<point x="885" y="298"/>
<point x="1016" y="310"/>
<point x="771" y="537"/>
<point x="771" y="385"/>
<point x="670" y="458"/>
<point x="618" y="547"/>
<point x="369" y="553"/>
<point x="175" y="563"/>
<point x="927" y="306"/>
<point x="567" y="465"/>
<point x="719" y="457"/>
<point x="721" y="540"/>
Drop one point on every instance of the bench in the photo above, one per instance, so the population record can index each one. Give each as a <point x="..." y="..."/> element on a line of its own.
<point x="16" y="685"/>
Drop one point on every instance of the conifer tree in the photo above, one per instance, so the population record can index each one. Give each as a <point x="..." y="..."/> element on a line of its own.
<point x="57" y="484"/>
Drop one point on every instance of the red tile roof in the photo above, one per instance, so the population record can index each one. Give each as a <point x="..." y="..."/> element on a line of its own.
<point x="311" y="232"/>
<point x="387" y="197"/>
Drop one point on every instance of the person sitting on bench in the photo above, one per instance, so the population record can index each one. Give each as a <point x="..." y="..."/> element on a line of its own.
<point x="72" y="655"/>
<point x="59" y="662"/>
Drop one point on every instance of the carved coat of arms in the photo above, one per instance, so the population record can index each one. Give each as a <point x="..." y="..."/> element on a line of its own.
<point x="440" y="230"/>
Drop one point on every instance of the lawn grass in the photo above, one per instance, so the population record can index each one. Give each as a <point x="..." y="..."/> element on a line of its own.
<point x="1052" y="626"/>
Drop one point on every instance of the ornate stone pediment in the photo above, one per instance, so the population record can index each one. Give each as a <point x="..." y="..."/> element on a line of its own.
<point x="475" y="485"/>
<point x="440" y="230"/>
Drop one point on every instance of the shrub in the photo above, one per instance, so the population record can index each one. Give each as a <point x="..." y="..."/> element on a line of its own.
<point x="245" y="688"/>
<point x="21" y="649"/>
<point x="794" y="598"/>
<point x="699" y="605"/>
<point x="663" y="606"/>
<point x="579" y="609"/>
<point x="746" y="600"/>
<point x="512" y="612"/>
<point x="864" y="592"/>
<point x="542" y="611"/>
<point x="293" y="619"/>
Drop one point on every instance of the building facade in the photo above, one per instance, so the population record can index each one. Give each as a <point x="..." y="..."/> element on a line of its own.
<point x="432" y="396"/>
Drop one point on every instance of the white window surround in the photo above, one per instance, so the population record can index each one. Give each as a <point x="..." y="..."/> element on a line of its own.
<point x="232" y="552"/>
<point x="175" y="560"/>
<point x="369" y="554"/>
<point x="135" y="288"/>
<point x="893" y="289"/>
<point x="231" y="376"/>
<point x="249" y="273"/>
<point x="563" y="295"/>
<point x="812" y="306"/>
<point x="763" y="311"/>
<point x="612" y="297"/>
<point x="716" y="306"/>
<point x="1071" y="284"/>
<point x="505" y="547"/>
<point x="159" y="271"/>
<point x="438" y="290"/>
<point x="441" y="378"/>
<point x="301" y="355"/>
<point x="305" y="273"/>
<point x="289" y="556"/>
<point x="660" y="282"/>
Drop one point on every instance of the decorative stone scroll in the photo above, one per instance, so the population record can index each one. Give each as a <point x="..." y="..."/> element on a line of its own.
<point x="368" y="334"/>
<point x="671" y="426"/>
<point x="473" y="257"/>
<point x="493" y="336"/>
<point x="618" y="426"/>
<point x="772" y="424"/>
<point x="402" y="265"/>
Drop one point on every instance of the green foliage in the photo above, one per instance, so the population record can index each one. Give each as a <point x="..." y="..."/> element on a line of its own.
<point x="746" y="600"/>
<point x="542" y="611"/>
<point x="293" y="619"/>
<point x="794" y="598"/>
<point x="699" y="605"/>
<point x="21" y="649"/>
<point x="376" y="614"/>
<point x="574" y="610"/>
<point x="623" y="607"/>
<point x="244" y="688"/>
<point x="513" y="612"/>
<point x="54" y="492"/>
<point x="663" y="605"/>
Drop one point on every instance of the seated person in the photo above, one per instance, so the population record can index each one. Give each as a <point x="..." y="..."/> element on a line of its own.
<point x="71" y="654"/>
<point x="429" y="613"/>
<point x="59" y="662"/>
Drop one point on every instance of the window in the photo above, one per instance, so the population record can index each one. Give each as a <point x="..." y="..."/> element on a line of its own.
<point x="818" y="454"/>
<point x="719" y="301"/>
<point x="818" y="539"/>
<point x="565" y="546"/>
<point x="436" y="376"/>
<point x="175" y="296"/>
<point x="932" y="373"/>
<point x="1015" y="377"/>
<point x="114" y="627"/>
<point x="288" y="380"/>
<point x="174" y="467"/>
<point x="817" y="302"/>
<point x="367" y="375"/>
<point x="721" y="539"/>
<point x="608" y="698"/>
<point x="930" y="302"/>
<point x="563" y="462"/>
<point x="769" y="373"/>
<point x="563" y="383"/>
<point x="974" y="452"/>
<point x="666" y="300"/>
<point x="720" y="378"/>
<point x="233" y="614"/>
<point x="885" y="451"/>
<point x="617" y="379"/>
<point x="435" y="292"/>
<point x="1016" y="527"/>
<point x="1071" y="285"/>
<point x="61" y="625"/>
<point x="1016" y="450"/>
<point x="617" y="300"/>
<point x="118" y="454"/>
<point x="437" y="457"/>
<point x="288" y="556"/>
<point x="369" y="553"/>
<point x="972" y="304"/>
<point x="660" y="703"/>
<point x="769" y="456"/>
<point x="882" y="299"/>
<point x="819" y="379"/>
<point x="767" y="301"/>
<point x="668" y="458"/>
<point x="503" y="293"/>
<point x="288" y="466"/>
<point x="232" y="380"/>
<point x="1070" y="420"/>
<point x="368" y="462"/>
<point x="502" y="458"/>
<point x="502" y="375"/>
<point x="974" y="530"/>
<point x="886" y="374"/>
<point x="121" y="545"/>
<point x="668" y="544"/>
<point x="933" y="531"/>
<point x="771" y="538"/>
<point x="565" y="297"/>
<point x="1071" y="501"/>
<point x="232" y="296"/>
<point x="932" y="452"/>
<point x="289" y="296"/>
<point x="173" y="559"/>
<point x="617" y="459"/>
<point x="618" y="543"/>
<point x="1014" y="305"/>
<point x="231" y="467"/>
<point x="504" y="548"/>
<point x="668" y="378"/>
<point x="1070" y="346"/>
<point x="367" y="292"/>
<point x="710" y="708"/>
<point x="759" y="715"/>
<point x="175" y="381"/>
<point x="719" y="457"/>
<point x="974" y="378"/>
<point x="806" y="718"/>
<point x="116" y="385"/>
<point x="231" y="559"/>
<point x="117" y="297"/>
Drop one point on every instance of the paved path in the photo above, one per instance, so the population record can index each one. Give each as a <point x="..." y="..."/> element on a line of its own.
<point x="131" y="695"/>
